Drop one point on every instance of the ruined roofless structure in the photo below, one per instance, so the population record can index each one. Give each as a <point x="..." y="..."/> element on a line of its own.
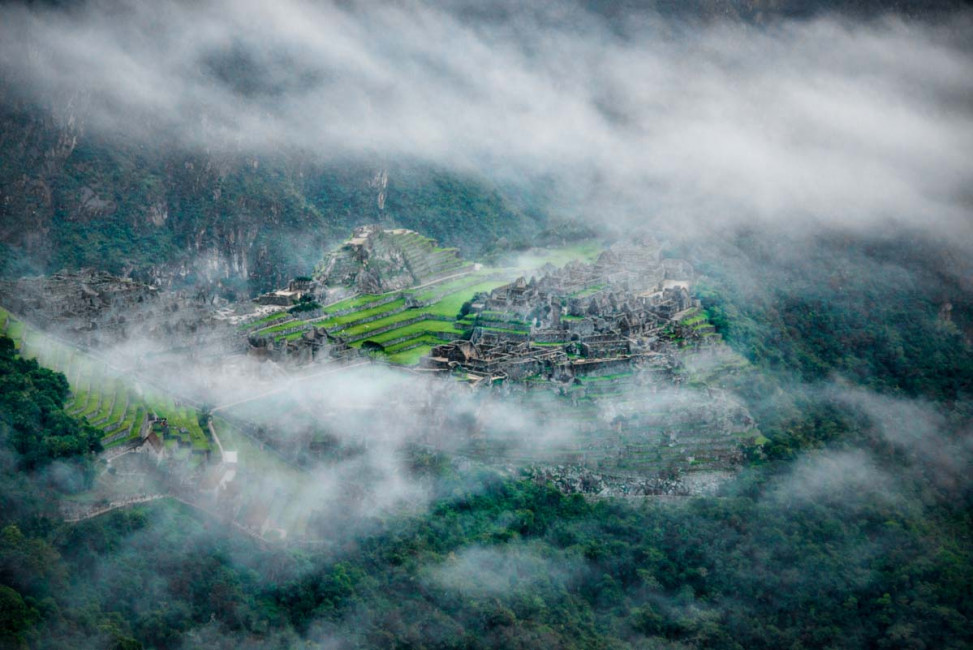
<point x="581" y="319"/>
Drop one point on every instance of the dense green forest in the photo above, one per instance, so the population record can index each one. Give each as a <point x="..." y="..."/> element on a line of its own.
<point x="850" y="528"/>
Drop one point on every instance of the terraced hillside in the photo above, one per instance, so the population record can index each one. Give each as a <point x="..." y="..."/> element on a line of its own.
<point x="376" y="260"/>
<point x="403" y="325"/>
<point x="104" y="396"/>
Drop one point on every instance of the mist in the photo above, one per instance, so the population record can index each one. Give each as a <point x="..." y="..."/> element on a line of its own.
<point x="831" y="122"/>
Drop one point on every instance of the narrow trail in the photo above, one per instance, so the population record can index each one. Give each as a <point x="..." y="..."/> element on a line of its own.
<point x="127" y="503"/>
<point x="115" y="505"/>
<point x="216" y="438"/>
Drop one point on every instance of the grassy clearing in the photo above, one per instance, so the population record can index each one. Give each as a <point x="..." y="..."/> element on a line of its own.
<point x="619" y="375"/>
<point x="427" y="339"/>
<point x="583" y="252"/>
<point x="696" y="319"/>
<point x="450" y="286"/>
<point x="283" y="326"/>
<point x="504" y="330"/>
<point x="351" y="303"/>
<point x="590" y="291"/>
<point x="416" y="328"/>
<point x="451" y="304"/>
<point x="410" y="357"/>
<point x="360" y="315"/>
<point x="364" y="328"/>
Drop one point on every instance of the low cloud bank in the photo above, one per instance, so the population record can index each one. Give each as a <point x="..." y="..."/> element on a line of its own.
<point x="833" y="122"/>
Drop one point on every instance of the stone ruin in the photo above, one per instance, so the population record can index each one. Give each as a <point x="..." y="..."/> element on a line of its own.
<point x="296" y="289"/>
<point x="600" y="351"/>
<point x="97" y="308"/>
<point x="313" y="344"/>
<point x="621" y="311"/>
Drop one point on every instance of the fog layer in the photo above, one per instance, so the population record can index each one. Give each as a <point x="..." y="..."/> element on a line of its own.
<point x="850" y="124"/>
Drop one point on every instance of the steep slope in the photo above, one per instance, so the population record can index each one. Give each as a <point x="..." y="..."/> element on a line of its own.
<point x="248" y="223"/>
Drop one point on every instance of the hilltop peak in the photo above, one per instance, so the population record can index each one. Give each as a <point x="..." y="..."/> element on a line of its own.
<point x="378" y="260"/>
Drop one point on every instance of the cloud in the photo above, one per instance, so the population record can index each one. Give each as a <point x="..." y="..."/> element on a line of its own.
<point x="910" y="455"/>
<point x="929" y="443"/>
<point x="504" y="570"/>
<point x="851" y="478"/>
<point x="823" y="122"/>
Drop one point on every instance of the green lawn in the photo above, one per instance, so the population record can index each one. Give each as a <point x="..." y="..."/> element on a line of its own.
<point x="587" y="251"/>
<point x="505" y="330"/>
<point x="456" y="284"/>
<point x="416" y="328"/>
<point x="426" y="339"/>
<point x="349" y="303"/>
<point x="283" y="326"/>
<point x="450" y="305"/>
<point x="410" y="357"/>
<point x="359" y="315"/>
<point x="364" y="328"/>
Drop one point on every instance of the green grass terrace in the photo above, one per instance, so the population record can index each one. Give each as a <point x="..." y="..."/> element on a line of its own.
<point x="109" y="401"/>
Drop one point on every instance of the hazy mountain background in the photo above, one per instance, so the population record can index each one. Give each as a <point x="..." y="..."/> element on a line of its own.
<point x="233" y="143"/>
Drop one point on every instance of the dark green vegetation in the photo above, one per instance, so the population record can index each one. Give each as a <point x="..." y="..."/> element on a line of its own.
<point x="889" y="316"/>
<point x="34" y="421"/>
<point x="511" y="564"/>
<point x="894" y="316"/>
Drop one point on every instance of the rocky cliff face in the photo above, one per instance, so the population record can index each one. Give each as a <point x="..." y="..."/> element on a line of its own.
<point x="237" y="222"/>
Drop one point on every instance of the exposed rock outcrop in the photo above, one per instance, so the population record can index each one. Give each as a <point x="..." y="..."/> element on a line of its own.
<point x="377" y="260"/>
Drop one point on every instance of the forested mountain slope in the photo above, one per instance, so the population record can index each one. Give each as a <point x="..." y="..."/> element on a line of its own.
<point x="69" y="199"/>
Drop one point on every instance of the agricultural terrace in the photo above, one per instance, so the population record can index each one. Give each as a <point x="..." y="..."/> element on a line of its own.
<point x="109" y="400"/>
<point x="403" y="326"/>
